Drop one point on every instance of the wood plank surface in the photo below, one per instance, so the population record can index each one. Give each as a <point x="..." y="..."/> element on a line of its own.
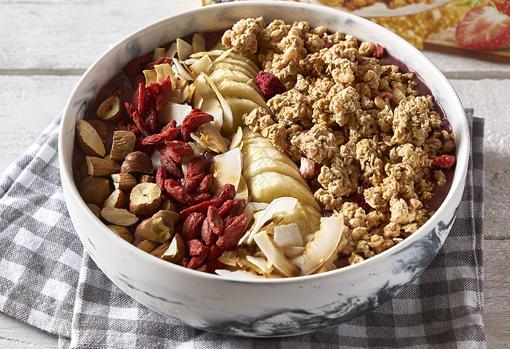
<point x="66" y="36"/>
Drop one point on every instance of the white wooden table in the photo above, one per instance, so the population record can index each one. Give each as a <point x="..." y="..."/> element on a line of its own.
<point x="46" y="44"/>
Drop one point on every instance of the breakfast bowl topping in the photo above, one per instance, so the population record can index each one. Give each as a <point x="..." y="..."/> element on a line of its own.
<point x="280" y="150"/>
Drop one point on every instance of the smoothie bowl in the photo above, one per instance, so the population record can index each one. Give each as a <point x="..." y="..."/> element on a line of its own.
<point x="263" y="169"/>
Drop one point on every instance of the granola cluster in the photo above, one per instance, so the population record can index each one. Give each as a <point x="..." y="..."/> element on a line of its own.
<point x="363" y="122"/>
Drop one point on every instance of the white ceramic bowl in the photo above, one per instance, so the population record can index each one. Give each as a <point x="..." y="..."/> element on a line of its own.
<point x="261" y="308"/>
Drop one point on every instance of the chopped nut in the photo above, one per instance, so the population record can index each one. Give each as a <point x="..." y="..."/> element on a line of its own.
<point x="158" y="252"/>
<point x="175" y="250"/>
<point x="146" y="245"/>
<point x="145" y="199"/>
<point x="117" y="199"/>
<point x="118" y="216"/>
<point x="110" y="109"/>
<point x="98" y="167"/>
<point x="123" y="144"/>
<point x="147" y="179"/>
<point x="137" y="162"/>
<point x="123" y="181"/>
<point x="89" y="140"/>
<point x="123" y="232"/>
<point x="94" y="190"/>
<point x="159" y="228"/>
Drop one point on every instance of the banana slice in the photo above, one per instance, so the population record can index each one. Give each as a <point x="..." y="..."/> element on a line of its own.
<point x="230" y="66"/>
<point x="268" y="186"/>
<point x="239" y="63"/>
<point x="218" y="52"/>
<point x="239" y="107"/>
<point x="272" y="165"/>
<point x="231" y="89"/>
<point x="252" y="153"/>
<point x="223" y="74"/>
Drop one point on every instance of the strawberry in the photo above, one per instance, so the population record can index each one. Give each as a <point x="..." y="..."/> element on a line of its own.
<point x="503" y="6"/>
<point x="483" y="28"/>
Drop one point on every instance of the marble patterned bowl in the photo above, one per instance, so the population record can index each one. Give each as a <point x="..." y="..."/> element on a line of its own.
<point x="259" y="308"/>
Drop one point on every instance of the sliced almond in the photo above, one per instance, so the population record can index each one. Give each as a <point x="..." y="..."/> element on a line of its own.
<point x="123" y="144"/>
<point x="98" y="167"/>
<point x="89" y="140"/>
<point x="123" y="232"/>
<point x="137" y="162"/>
<point x="175" y="250"/>
<point x="158" y="53"/>
<point x="96" y="210"/>
<point x="159" y="228"/>
<point x="183" y="49"/>
<point x="118" y="216"/>
<point x="158" y="252"/>
<point x="94" y="190"/>
<point x="123" y="181"/>
<point x="172" y="50"/>
<point x="110" y="109"/>
<point x="117" y="199"/>
<point x="198" y="43"/>
<point x="101" y="128"/>
<point x="145" y="199"/>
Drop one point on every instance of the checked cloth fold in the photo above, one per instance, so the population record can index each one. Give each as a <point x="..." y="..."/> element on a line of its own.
<point x="47" y="281"/>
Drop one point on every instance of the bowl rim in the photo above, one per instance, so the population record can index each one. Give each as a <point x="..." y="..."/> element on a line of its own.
<point x="462" y="158"/>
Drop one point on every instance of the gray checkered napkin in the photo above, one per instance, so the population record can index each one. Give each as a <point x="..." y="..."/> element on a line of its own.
<point x="47" y="281"/>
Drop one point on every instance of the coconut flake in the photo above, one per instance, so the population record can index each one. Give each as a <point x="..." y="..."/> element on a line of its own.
<point x="288" y="235"/>
<point x="227" y="167"/>
<point x="209" y="136"/>
<point x="275" y="255"/>
<point x="228" y="119"/>
<point x="183" y="49"/>
<point x="237" y="139"/>
<point x="183" y="72"/>
<point x="324" y="244"/>
<point x="261" y="263"/>
<point x="202" y="65"/>
<point x="172" y="50"/>
<point x="293" y="251"/>
<point x="237" y="275"/>
<point x="198" y="43"/>
<point x="174" y="111"/>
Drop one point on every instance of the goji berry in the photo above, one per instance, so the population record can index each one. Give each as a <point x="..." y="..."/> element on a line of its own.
<point x="133" y="128"/>
<point x="366" y="184"/>
<point x="225" y="208"/>
<point x="177" y="150"/>
<point x="176" y="192"/>
<point x="360" y="200"/>
<point x="378" y="51"/>
<point x="161" y="92"/>
<point x="226" y="192"/>
<point x="234" y="229"/>
<point x="170" y="165"/>
<point x="214" y="252"/>
<point x="214" y="264"/>
<point x="208" y="237"/>
<point x="165" y="135"/>
<point x="195" y="247"/>
<point x="192" y="226"/>
<point x="238" y="207"/>
<point x="206" y="183"/>
<point x="151" y="121"/>
<point x="192" y="122"/>
<point x="215" y="221"/>
<point x="444" y="161"/>
<point x="195" y="167"/>
<point x="141" y="99"/>
<point x="183" y="261"/>
<point x="171" y="124"/>
<point x="160" y="177"/>
<point x="145" y="148"/>
<point x="201" y="197"/>
<point x="201" y="207"/>
<point x="197" y="261"/>
<point x="139" y="123"/>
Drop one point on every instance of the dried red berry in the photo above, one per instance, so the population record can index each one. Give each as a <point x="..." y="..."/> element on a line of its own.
<point x="176" y="192"/>
<point x="444" y="161"/>
<point x="141" y="99"/>
<point x="169" y="165"/>
<point x="197" y="261"/>
<point x="238" y="207"/>
<point x="226" y="192"/>
<point x="385" y="95"/>
<point x="151" y="121"/>
<point x="192" y="122"/>
<point x="139" y="123"/>
<point x="215" y="221"/>
<point x="192" y="226"/>
<point x="208" y="237"/>
<point x="234" y="229"/>
<point x="160" y="177"/>
<point x="308" y="168"/>
<point x="360" y="200"/>
<point x="214" y="264"/>
<point x="177" y="150"/>
<point x="214" y="252"/>
<point x="205" y="184"/>
<point x="269" y="84"/>
<point x="161" y="92"/>
<point x="195" y="247"/>
<point x="165" y="135"/>
<point x="136" y="65"/>
<point x="225" y="208"/>
<point x="171" y="124"/>
<point x="201" y="207"/>
<point x="366" y="184"/>
<point x="378" y="51"/>
<point x="201" y="198"/>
